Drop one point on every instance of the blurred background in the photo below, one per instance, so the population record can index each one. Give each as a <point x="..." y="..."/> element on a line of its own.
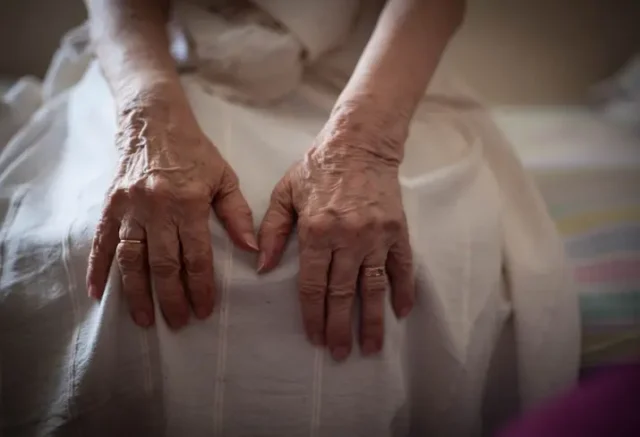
<point x="519" y="51"/>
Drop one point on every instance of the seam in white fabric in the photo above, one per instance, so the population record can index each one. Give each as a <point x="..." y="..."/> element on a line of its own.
<point x="76" y="323"/>
<point x="467" y="283"/>
<point x="146" y="361"/>
<point x="218" y="411"/>
<point x="218" y="400"/>
<point x="316" y="402"/>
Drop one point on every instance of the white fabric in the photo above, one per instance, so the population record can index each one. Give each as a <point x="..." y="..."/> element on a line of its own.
<point x="241" y="57"/>
<point x="319" y="25"/>
<point x="495" y="325"/>
<point x="17" y="105"/>
<point x="257" y="52"/>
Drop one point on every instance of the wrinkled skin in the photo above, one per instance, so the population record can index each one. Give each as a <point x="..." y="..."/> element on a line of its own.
<point x="345" y="196"/>
<point x="168" y="177"/>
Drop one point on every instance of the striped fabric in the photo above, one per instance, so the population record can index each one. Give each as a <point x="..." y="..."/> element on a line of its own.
<point x="598" y="214"/>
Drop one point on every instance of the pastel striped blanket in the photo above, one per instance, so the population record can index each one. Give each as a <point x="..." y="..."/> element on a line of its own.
<point x="598" y="214"/>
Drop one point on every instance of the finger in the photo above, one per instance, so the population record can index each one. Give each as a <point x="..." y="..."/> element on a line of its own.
<point x="164" y="264"/>
<point x="233" y="211"/>
<point x="400" y="271"/>
<point x="373" y="285"/>
<point x="314" y="269"/>
<point x="343" y="279"/>
<point x="132" y="261"/>
<point x="197" y="260"/>
<point x="103" y="250"/>
<point x="276" y="226"/>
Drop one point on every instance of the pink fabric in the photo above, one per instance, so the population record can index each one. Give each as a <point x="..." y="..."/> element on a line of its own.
<point x="607" y="405"/>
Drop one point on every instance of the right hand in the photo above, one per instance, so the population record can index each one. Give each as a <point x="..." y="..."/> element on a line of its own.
<point x="155" y="217"/>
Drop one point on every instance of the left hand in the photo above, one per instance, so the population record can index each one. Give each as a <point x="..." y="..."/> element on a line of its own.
<point x="352" y="233"/>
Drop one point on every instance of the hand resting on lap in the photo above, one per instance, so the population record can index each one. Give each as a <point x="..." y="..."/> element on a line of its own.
<point x="156" y="215"/>
<point x="352" y="232"/>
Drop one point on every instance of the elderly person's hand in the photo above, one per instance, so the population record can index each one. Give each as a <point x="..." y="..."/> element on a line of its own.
<point x="345" y="193"/>
<point x="155" y="219"/>
<point x="352" y="231"/>
<point x="156" y="215"/>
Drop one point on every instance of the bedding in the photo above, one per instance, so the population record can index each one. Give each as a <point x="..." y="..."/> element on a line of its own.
<point x="587" y="168"/>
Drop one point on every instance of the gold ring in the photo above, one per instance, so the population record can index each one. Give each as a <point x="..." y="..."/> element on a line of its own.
<point x="374" y="271"/>
<point x="132" y="241"/>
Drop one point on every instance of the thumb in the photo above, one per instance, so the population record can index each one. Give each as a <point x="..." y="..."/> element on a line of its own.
<point x="233" y="211"/>
<point x="276" y="226"/>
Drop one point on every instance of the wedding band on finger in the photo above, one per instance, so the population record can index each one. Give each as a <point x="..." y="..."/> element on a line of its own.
<point x="374" y="272"/>
<point x="132" y="241"/>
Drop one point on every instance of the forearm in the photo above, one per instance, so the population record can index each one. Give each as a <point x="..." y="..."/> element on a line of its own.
<point x="132" y="45"/>
<point x="398" y="62"/>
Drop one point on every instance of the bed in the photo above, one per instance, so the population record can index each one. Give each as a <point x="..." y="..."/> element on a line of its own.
<point x="587" y="167"/>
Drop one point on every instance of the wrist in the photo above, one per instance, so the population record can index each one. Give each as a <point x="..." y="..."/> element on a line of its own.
<point x="159" y="111"/>
<point x="367" y="124"/>
<point x="148" y="84"/>
<point x="154" y="97"/>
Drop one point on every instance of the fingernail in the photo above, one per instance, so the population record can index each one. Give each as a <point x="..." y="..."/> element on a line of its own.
<point x="262" y="259"/>
<point x="404" y="312"/>
<point x="250" y="239"/>
<point x="370" y="347"/>
<point x="340" y="353"/>
<point x="93" y="292"/>
<point x="141" y="318"/>
<point x="202" y="312"/>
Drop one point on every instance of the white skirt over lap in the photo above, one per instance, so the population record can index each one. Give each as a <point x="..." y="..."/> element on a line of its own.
<point x="495" y="327"/>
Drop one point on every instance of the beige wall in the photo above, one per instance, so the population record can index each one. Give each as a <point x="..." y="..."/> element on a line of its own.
<point x="540" y="51"/>
<point x="30" y="31"/>
<point x="524" y="51"/>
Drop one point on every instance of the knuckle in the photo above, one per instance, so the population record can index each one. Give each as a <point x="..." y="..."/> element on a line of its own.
<point x="155" y="189"/>
<point x="139" y="189"/>
<point x="282" y="188"/>
<point x="281" y="197"/>
<point x="118" y="196"/>
<point x="229" y="181"/>
<point x="341" y="295"/>
<point x="99" y="247"/>
<point x="355" y="224"/>
<point x="164" y="268"/>
<point x="193" y="193"/>
<point x="96" y="246"/>
<point x="128" y="256"/>
<point x="161" y="189"/>
<point x="392" y="224"/>
<point x="316" y="226"/>
<point x="105" y="228"/>
<point x="231" y="177"/>
<point x="198" y="265"/>
<point x="312" y="292"/>
<point x="401" y="262"/>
